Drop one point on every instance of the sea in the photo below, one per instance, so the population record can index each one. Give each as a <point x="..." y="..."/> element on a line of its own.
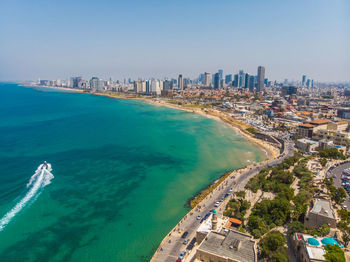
<point x="122" y="173"/>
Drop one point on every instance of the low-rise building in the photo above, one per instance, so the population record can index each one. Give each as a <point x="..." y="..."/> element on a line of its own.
<point x="337" y="137"/>
<point x="304" y="130"/>
<point x="309" y="248"/>
<point x="307" y="145"/>
<point x="228" y="246"/>
<point x="319" y="214"/>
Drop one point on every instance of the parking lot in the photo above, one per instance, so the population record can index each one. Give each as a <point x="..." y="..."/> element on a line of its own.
<point x="336" y="173"/>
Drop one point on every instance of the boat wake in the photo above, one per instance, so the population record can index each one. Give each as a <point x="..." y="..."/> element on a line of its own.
<point x="41" y="178"/>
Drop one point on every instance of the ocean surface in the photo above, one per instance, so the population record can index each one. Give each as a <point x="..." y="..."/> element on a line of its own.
<point x="122" y="173"/>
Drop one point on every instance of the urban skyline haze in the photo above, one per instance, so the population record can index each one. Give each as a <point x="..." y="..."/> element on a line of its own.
<point x="122" y="39"/>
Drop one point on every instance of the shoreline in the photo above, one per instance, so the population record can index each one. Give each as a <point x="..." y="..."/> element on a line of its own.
<point x="208" y="112"/>
<point x="196" y="200"/>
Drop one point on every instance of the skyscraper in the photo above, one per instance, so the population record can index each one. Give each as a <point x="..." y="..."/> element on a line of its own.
<point x="251" y="83"/>
<point x="308" y="83"/>
<point x="202" y="78"/>
<point x="246" y="81"/>
<point x="303" y="80"/>
<point x="235" y="81"/>
<point x="95" y="84"/>
<point x="221" y="72"/>
<point x="228" y="79"/>
<point x="167" y="85"/>
<point x="217" y="81"/>
<point x="181" y="82"/>
<point x="75" y="81"/>
<point x="207" y="79"/>
<point x="261" y="77"/>
<point x="241" y="78"/>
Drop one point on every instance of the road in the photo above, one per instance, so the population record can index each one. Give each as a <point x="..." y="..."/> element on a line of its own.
<point x="336" y="173"/>
<point x="173" y="245"/>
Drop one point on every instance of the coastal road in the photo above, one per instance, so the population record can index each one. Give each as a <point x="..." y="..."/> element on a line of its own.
<point x="336" y="174"/>
<point x="172" y="245"/>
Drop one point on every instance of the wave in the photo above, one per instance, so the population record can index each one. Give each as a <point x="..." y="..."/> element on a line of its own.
<point x="41" y="178"/>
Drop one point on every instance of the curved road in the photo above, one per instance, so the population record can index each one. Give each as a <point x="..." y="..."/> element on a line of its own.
<point x="172" y="246"/>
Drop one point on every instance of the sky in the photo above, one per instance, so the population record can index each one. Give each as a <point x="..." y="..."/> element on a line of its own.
<point x="163" y="38"/>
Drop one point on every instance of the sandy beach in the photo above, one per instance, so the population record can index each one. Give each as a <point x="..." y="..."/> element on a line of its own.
<point x="239" y="127"/>
<point x="271" y="151"/>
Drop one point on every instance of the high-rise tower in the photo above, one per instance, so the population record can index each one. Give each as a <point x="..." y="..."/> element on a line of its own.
<point x="261" y="77"/>
<point x="181" y="82"/>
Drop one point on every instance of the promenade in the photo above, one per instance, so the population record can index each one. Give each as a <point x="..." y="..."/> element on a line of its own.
<point x="172" y="245"/>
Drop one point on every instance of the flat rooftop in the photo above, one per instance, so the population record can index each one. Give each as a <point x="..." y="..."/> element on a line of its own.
<point x="322" y="207"/>
<point x="231" y="244"/>
<point x="306" y="141"/>
<point x="316" y="253"/>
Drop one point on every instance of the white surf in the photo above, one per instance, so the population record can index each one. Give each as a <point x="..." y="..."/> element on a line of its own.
<point x="41" y="178"/>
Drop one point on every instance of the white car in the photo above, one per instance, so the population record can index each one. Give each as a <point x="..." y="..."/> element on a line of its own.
<point x="217" y="204"/>
<point x="199" y="217"/>
<point x="344" y="207"/>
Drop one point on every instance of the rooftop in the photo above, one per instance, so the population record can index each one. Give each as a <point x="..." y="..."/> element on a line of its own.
<point x="320" y="122"/>
<point x="307" y="125"/>
<point x="322" y="207"/>
<point x="307" y="141"/>
<point x="232" y="244"/>
<point x="316" y="253"/>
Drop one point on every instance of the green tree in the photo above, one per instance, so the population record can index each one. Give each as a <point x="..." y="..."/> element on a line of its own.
<point x="240" y="194"/>
<point x="334" y="254"/>
<point x="332" y="153"/>
<point x="273" y="247"/>
<point x="295" y="227"/>
<point x="324" y="230"/>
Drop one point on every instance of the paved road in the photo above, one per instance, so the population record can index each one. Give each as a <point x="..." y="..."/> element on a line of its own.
<point x="336" y="173"/>
<point x="173" y="245"/>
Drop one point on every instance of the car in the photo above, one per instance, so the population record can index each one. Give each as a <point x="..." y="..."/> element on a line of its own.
<point x="184" y="234"/>
<point x="231" y="189"/>
<point x="227" y="194"/>
<point x="344" y="207"/>
<point x="178" y="260"/>
<point x="191" y="244"/>
<point x="199" y="217"/>
<point x="217" y="204"/>
<point x="186" y="241"/>
<point x="182" y="254"/>
<point x="207" y="215"/>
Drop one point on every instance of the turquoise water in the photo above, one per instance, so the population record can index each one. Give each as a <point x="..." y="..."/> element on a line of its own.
<point x="123" y="172"/>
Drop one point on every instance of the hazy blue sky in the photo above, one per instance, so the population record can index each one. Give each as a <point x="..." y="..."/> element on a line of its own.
<point x="50" y="39"/>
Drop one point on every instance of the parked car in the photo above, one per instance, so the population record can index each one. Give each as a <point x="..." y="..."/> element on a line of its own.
<point x="182" y="254"/>
<point x="199" y="217"/>
<point x="186" y="241"/>
<point x="217" y="204"/>
<point x="184" y="234"/>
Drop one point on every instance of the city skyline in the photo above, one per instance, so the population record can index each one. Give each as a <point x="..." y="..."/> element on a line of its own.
<point x="165" y="39"/>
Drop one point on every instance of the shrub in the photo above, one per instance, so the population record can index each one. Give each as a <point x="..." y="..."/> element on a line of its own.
<point x="334" y="254"/>
<point x="273" y="247"/>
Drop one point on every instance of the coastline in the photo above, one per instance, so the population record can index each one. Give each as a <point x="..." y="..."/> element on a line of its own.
<point x="271" y="152"/>
<point x="240" y="128"/>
